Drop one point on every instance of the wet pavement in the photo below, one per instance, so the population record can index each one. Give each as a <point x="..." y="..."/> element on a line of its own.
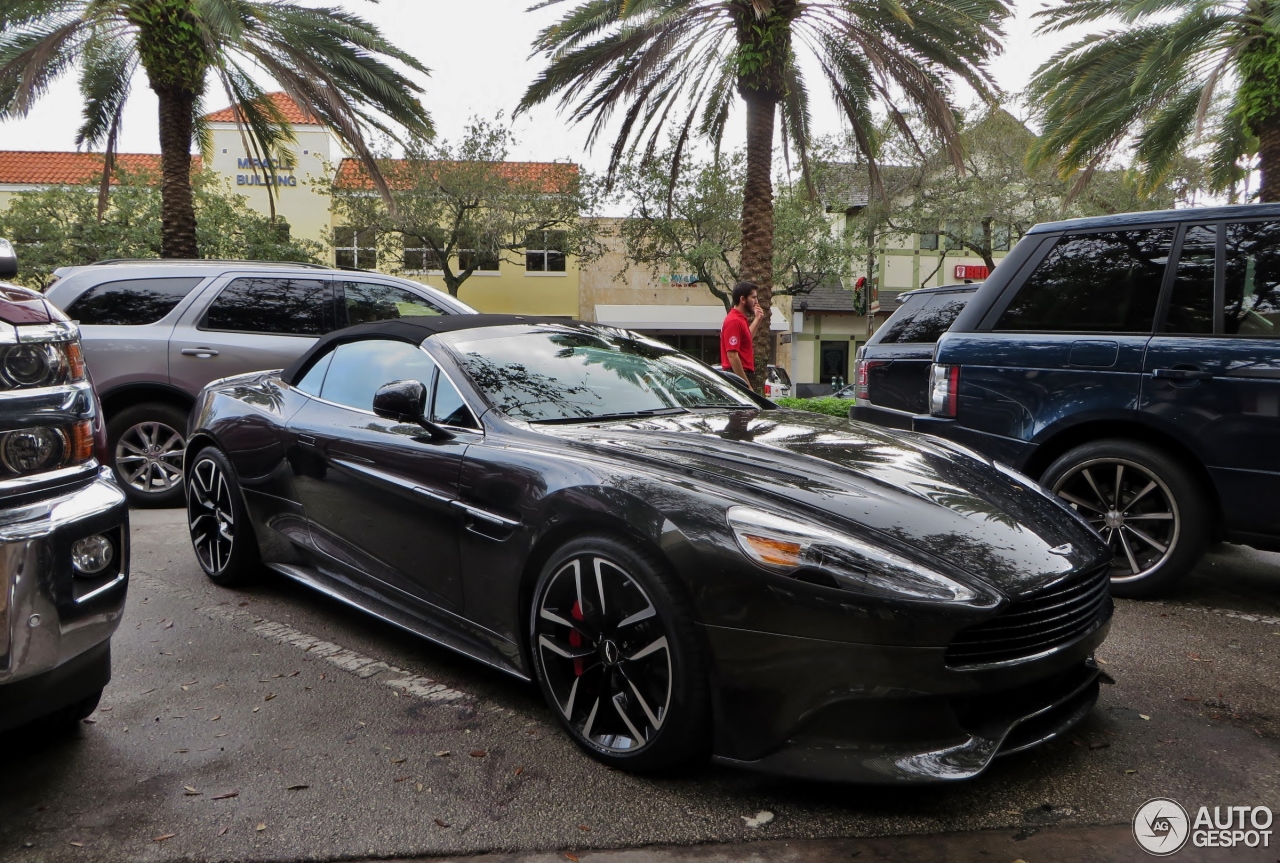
<point x="272" y="724"/>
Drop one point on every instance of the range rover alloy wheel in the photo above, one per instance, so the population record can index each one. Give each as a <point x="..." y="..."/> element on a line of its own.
<point x="146" y="443"/>
<point x="220" y="534"/>
<point x="615" y="653"/>
<point x="1145" y="505"/>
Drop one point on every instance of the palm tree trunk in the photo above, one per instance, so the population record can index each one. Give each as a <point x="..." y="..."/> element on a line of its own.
<point x="757" y="216"/>
<point x="1269" y="157"/>
<point x="177" y="210"/>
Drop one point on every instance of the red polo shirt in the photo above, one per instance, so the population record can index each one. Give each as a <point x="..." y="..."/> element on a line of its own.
<point x="735" y="335"/>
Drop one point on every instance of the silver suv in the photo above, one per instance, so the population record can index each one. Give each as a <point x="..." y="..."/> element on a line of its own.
<point x="155" y="332"/>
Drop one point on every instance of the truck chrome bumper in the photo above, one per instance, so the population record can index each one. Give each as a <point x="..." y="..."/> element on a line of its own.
<point x="48" y="615"/>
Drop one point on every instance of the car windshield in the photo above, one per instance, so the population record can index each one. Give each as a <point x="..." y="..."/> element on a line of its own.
<point x="562" y="374"/>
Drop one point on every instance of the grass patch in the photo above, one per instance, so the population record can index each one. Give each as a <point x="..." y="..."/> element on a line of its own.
<point x="827" y="405"/>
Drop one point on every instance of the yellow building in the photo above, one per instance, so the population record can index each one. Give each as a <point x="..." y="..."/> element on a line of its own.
<point x="302" y="181"/>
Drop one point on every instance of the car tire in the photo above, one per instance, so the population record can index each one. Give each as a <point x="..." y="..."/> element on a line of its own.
<point x="618" y="656"/>
<point x="221" y="535"/>
<point x="1160" y="523"/>
<point x="145" y="454"/>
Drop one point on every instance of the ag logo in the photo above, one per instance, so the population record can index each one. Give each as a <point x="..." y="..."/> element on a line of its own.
<point x="1160" y="826"/>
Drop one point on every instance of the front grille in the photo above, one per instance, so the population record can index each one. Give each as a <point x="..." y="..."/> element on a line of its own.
<point x="1036" y="623"/>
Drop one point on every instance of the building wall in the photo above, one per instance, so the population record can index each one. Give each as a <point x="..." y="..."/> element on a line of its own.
<point x="601" y="284"/>
<point x="301" y="192"/>
<point x="511" y="290"/>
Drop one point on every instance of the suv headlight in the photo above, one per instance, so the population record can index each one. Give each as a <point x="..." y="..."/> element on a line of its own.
<point x="787" y="546"/>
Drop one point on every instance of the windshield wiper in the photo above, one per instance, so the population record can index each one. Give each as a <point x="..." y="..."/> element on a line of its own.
<point x="625" y="415"/>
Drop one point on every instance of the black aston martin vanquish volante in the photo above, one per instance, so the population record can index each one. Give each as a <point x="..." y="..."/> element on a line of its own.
<point x="682" y="567"/>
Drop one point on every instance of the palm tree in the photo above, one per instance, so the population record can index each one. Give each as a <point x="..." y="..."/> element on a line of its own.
<point x="696" y="57"/>
<point x="328" y="61"/>
<point x="1166" y="73"/>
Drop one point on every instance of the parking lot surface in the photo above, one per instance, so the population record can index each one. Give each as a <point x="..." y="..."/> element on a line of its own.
<point x="271" y="723"/>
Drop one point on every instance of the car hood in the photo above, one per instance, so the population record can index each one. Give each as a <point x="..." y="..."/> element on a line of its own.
<point x="23" y="306"/>
<point x="942" y="505"/>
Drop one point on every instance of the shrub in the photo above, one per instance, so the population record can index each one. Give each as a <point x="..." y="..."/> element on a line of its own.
<point x="828" y="405"/>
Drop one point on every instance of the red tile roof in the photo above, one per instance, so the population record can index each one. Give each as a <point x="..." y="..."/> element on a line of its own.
<point x="551" y="176"/>
<point x="291" y="110"/>
<point x="28" y="167"/>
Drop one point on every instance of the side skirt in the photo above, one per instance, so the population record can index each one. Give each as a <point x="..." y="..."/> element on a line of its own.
<point x="395" y="616"/>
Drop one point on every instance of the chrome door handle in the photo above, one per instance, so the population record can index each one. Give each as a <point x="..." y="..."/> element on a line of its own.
<point x="203" y="353"/>
<point x="1182" y="374"/>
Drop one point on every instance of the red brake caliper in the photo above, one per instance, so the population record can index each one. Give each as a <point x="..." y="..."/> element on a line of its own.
<point x="575" y="637"/>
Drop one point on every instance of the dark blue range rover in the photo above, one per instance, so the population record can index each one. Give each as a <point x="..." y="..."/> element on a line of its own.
<point x="1132" y="364"/>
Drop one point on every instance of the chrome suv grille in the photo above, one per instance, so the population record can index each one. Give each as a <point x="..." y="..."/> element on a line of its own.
<point x="1036" y="623"/>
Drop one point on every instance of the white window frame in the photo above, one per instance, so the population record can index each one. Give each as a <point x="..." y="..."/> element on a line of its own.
<point x="544" y="251"/>
<point x="355" y="247"/>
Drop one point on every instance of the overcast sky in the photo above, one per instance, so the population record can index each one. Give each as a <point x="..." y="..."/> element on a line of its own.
<point x="478" y="52"/>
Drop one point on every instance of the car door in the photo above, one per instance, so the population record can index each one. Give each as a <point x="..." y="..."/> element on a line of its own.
<point x="245" y="323"/>
<point x="379" y="495"/>
<point x="125" y="326"/>
<point x="1068" y="345"/>
<point x="1212" y="374"/>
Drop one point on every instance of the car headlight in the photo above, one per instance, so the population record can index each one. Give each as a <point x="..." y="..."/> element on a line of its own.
<point x="40" y="364"/>
<point x="787" y="546"/>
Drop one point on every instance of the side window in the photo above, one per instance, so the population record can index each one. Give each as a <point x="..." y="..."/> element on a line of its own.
<point x="360" y="369"/>
<point x="448" y="408"/>
<point x="367" y="301"/>
<point x="926" y="320"/>
<point x="897" y="329"/>
<point x="1252" y="301"/>
<point x="314" y="378"/>
<point x="292" y="307"/>
<point x="1191" y="303"/>
<point x="1106" y="282"/>
<point x="130" y="303"/>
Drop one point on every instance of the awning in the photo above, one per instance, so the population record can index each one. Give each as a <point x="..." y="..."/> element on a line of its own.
<point x="684" y="318"/>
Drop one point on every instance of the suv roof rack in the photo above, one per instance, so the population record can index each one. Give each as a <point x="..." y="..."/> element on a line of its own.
<point x="211" y="261"/>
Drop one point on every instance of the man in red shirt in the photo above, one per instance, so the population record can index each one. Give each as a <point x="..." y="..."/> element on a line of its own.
<point x="737" y="351"/>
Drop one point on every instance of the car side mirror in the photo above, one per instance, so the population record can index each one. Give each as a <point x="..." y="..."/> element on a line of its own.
<point x="406" y="402"/>
<point x="8" y="261"/>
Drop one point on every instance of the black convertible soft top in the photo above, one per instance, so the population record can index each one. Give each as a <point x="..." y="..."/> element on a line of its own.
<point x="414" y="330"/>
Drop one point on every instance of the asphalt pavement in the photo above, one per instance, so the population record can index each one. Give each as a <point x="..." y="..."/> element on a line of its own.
<point x="273" y="724"/>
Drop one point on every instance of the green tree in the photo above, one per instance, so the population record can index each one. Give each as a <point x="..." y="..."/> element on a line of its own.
<point x="461" y="207"/>
<point x="687" y="61"/>
<point x="60" y="226"/>
<point x="1000" y="194"/>
<point x="694" y="226"/>
<point x="1162" y="76"/>
<point x="328" y="60"/>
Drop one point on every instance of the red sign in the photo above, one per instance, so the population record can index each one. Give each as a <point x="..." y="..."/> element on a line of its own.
<point x="969" y="271"/>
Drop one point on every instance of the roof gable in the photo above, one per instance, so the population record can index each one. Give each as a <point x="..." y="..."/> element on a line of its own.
<point x="292" y="111"/>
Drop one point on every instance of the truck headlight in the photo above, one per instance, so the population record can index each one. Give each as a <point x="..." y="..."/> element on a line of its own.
<point x="41" y="364"/>
<point x="788" y="546"/>
<point x="31" y="450"/>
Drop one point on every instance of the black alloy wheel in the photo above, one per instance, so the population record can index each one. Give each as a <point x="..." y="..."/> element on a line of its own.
<point x="616" y="655"/>
<point x="146" y="443"/>
<point x="1146" y="506"/>
<point x="223" y="541"/>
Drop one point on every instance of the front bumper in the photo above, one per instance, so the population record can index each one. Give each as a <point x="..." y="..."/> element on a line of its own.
<point x="55" y="627"/>
<point x="836" y="711"/>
